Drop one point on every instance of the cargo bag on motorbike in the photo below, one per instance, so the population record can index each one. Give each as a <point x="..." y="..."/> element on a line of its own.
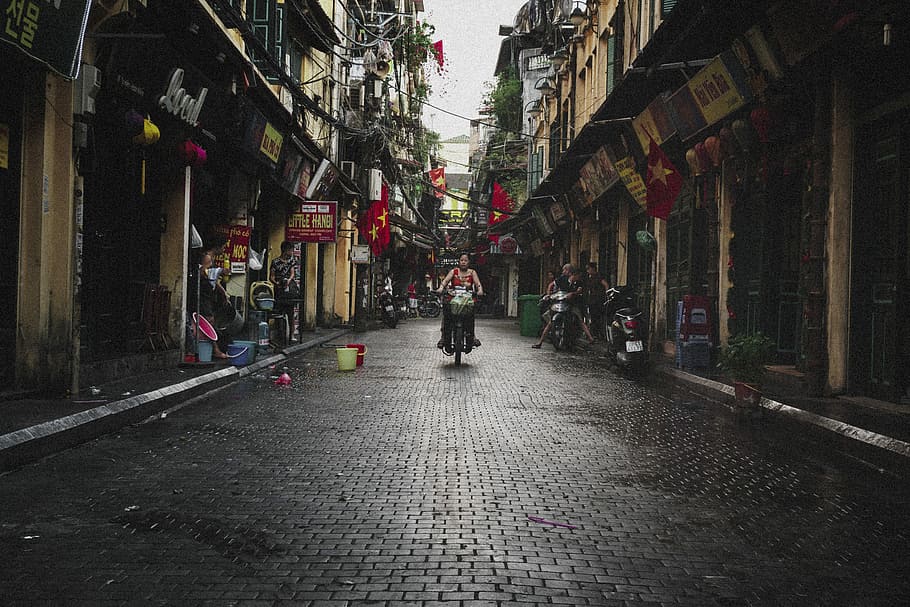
<point x="462" y="304"/>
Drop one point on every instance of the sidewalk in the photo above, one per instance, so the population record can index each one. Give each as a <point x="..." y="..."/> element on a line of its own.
<point x="880" y="429"/>
<point x="31" y="428"/>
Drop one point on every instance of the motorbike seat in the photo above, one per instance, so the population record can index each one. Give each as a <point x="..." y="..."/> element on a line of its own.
<point x="628" y="313"/>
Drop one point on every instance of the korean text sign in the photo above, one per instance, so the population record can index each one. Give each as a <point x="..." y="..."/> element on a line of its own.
<point x="50" y="31"/>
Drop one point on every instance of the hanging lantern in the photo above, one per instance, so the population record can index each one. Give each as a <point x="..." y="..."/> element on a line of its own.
<point x="727" y="142"/>
<point x="761" y="122"/>
<point x="702" y="157"/>
<point x="743" y="134"/>
<point x="191" y="154"/>
<point x="712" y="145"/>
<point x="149" y="135"/>
<point x="692" y="161"/>
<point x="134" y="123"/>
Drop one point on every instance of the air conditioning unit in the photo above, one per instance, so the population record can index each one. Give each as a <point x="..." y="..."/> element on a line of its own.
<point x="86" y="89"/>
<point x="375" y="184"/>
<point x="349" y="168"/>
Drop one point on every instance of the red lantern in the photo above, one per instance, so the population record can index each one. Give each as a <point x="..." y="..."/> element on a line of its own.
<point x="191" y="154"/>
<point x="743" y="133"/>
<point x="761" y="122"/>
<point x="712" y="145"/>
<point x="692" y="161"/>
<point x="704" y="160"/>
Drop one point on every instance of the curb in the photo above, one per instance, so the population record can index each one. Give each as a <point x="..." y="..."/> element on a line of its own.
<point x="713" y="388"/>
<point x="32" y="443"/>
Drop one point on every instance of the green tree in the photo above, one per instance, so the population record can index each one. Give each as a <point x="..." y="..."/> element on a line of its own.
<point x="505" y="100"/>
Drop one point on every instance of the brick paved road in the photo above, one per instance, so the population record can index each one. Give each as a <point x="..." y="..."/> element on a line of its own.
<point x="411" y="482"/>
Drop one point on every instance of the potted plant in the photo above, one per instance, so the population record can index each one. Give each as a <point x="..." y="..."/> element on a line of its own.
<point x="743" y="361"/>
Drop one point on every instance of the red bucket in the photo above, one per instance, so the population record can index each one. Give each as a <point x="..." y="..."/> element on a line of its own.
<point x="361" y="352"/>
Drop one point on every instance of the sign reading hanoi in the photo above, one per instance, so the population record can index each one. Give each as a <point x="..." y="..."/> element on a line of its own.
<point x="313" y="222"/>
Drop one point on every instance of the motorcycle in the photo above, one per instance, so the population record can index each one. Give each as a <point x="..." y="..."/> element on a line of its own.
<point x="564" y="327"/>
<point x="387" y="311"/>
<point x="624" y="328"/>
<point x="461" y="308"/>
<point x="428" y="306"/>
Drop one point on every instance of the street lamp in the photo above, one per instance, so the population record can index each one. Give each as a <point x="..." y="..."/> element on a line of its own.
<point x="533" y="108"/>
<point x="559" y="58"/>
<point x="545" y="86"/>
<point x="579" y="13"/>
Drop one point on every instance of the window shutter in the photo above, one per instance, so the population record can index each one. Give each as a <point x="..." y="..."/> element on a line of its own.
<point x="666" y="7"/>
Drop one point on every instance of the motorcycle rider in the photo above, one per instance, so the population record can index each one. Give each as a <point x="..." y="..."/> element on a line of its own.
<point x="570" y="282"/>
<point x="461" y="276"/>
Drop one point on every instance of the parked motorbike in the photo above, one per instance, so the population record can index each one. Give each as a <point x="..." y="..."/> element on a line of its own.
<point x="401" y="307"/>
<point x="564" y="327"/>
<point x="428" y="305"/>
<point x="461" y="308"/>
<point x="625" y="331"/>
<point x="387" y="311"/>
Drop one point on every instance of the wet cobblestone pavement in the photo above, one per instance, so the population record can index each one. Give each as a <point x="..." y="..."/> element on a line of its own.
<point x="524" y="476"/>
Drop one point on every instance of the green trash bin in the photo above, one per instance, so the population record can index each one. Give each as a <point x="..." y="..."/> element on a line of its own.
<point x="530" y="320"/>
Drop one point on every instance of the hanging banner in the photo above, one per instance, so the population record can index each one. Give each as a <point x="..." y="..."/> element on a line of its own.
<point x="50" y="31"/>
<point x="597" y="176"/>
<point x="632" y="180"/>
<point x="654" y="122"/>
<point x="313" y="222"/>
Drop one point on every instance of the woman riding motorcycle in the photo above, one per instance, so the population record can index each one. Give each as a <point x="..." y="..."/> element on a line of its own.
<point x="462" y="276"/>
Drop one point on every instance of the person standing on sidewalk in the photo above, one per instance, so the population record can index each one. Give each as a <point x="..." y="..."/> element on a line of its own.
<point x="595" y="292"/>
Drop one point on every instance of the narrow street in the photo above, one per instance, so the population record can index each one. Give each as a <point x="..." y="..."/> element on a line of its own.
<point x="523" y="476"/>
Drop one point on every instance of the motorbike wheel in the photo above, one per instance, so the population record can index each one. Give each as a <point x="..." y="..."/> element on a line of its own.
<point x="431" y="309"/>
<point x="559" y="334"/>
<point x="390" y="319"/>
<point x="458" y="344"/>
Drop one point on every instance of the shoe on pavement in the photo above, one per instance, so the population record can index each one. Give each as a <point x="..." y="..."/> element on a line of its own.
<point x="440" y="344"/>
<point x="536" y="346"/>
<point x="476" y="343"/>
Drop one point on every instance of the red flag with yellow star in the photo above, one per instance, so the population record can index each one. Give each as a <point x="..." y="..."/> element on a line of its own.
<point x="663" y="182"/>
<point x="501" y="202"/>
<point x="382" y="230"/>
<point x="364" y="224"/>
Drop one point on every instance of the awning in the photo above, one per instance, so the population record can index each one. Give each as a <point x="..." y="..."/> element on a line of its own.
<point x="509" y="225"/>
<point x="397" y="220"/>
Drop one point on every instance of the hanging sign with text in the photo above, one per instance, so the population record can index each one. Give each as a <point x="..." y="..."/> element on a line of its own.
<point x="49" y="31"/>
<point x="238" y="248"/>
<point x="313" y="222"/>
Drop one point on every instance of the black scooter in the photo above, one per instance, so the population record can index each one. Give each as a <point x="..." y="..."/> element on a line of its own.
<point x="461" y="308"/>
<point x="625" y="331"/>
<point x="387" y="311"/>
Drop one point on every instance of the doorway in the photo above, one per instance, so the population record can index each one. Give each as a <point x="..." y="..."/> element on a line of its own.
<point x="10" y="169"/>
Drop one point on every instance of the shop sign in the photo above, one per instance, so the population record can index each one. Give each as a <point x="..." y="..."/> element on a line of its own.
<point x="632" y="180"/>
<point x="360" y="253"/>
<point x="271" y="143"/>
<point x="654" y="122"/>
<point x="508" y="245"/>
<point x="597" y="175"/>
<point x="238" y="248"/>
<point x="180" y="103"/>
<point x="544" y="227"/>
<point x="49" y="31"/>
<point x="313" y="222"/>
<point x="558" y="214"/>
<point x="323" y="181"/>
<point x="715" y="92"/>
<point x="305" y="177"/>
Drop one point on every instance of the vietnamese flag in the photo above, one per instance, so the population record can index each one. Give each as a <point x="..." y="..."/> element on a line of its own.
<point x="501" y="202"/>
<point x="364" y="223"/>
<point x="438" y="179"/>
<point x="437" y="52"/>
<point x="381" y="230"/>
<point x="663" y="182"/>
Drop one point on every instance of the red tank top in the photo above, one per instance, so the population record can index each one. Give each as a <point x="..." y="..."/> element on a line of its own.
<point x="458" y="281"/>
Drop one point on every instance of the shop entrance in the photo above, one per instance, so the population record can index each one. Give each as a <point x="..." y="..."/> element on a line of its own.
<point x="10" y="164"/>
<point x="880" y="328"/>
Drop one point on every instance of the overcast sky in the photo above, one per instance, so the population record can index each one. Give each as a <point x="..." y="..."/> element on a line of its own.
<point x="469" y="30"/>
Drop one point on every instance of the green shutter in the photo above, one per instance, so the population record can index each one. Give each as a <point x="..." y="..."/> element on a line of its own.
<point x="667" y="7"/>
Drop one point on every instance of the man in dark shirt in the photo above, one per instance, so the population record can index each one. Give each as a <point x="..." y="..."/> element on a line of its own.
<point x="570" y="282"/>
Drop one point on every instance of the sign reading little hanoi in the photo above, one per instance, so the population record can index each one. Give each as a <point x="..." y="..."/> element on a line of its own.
<point x="313" y="222"/>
